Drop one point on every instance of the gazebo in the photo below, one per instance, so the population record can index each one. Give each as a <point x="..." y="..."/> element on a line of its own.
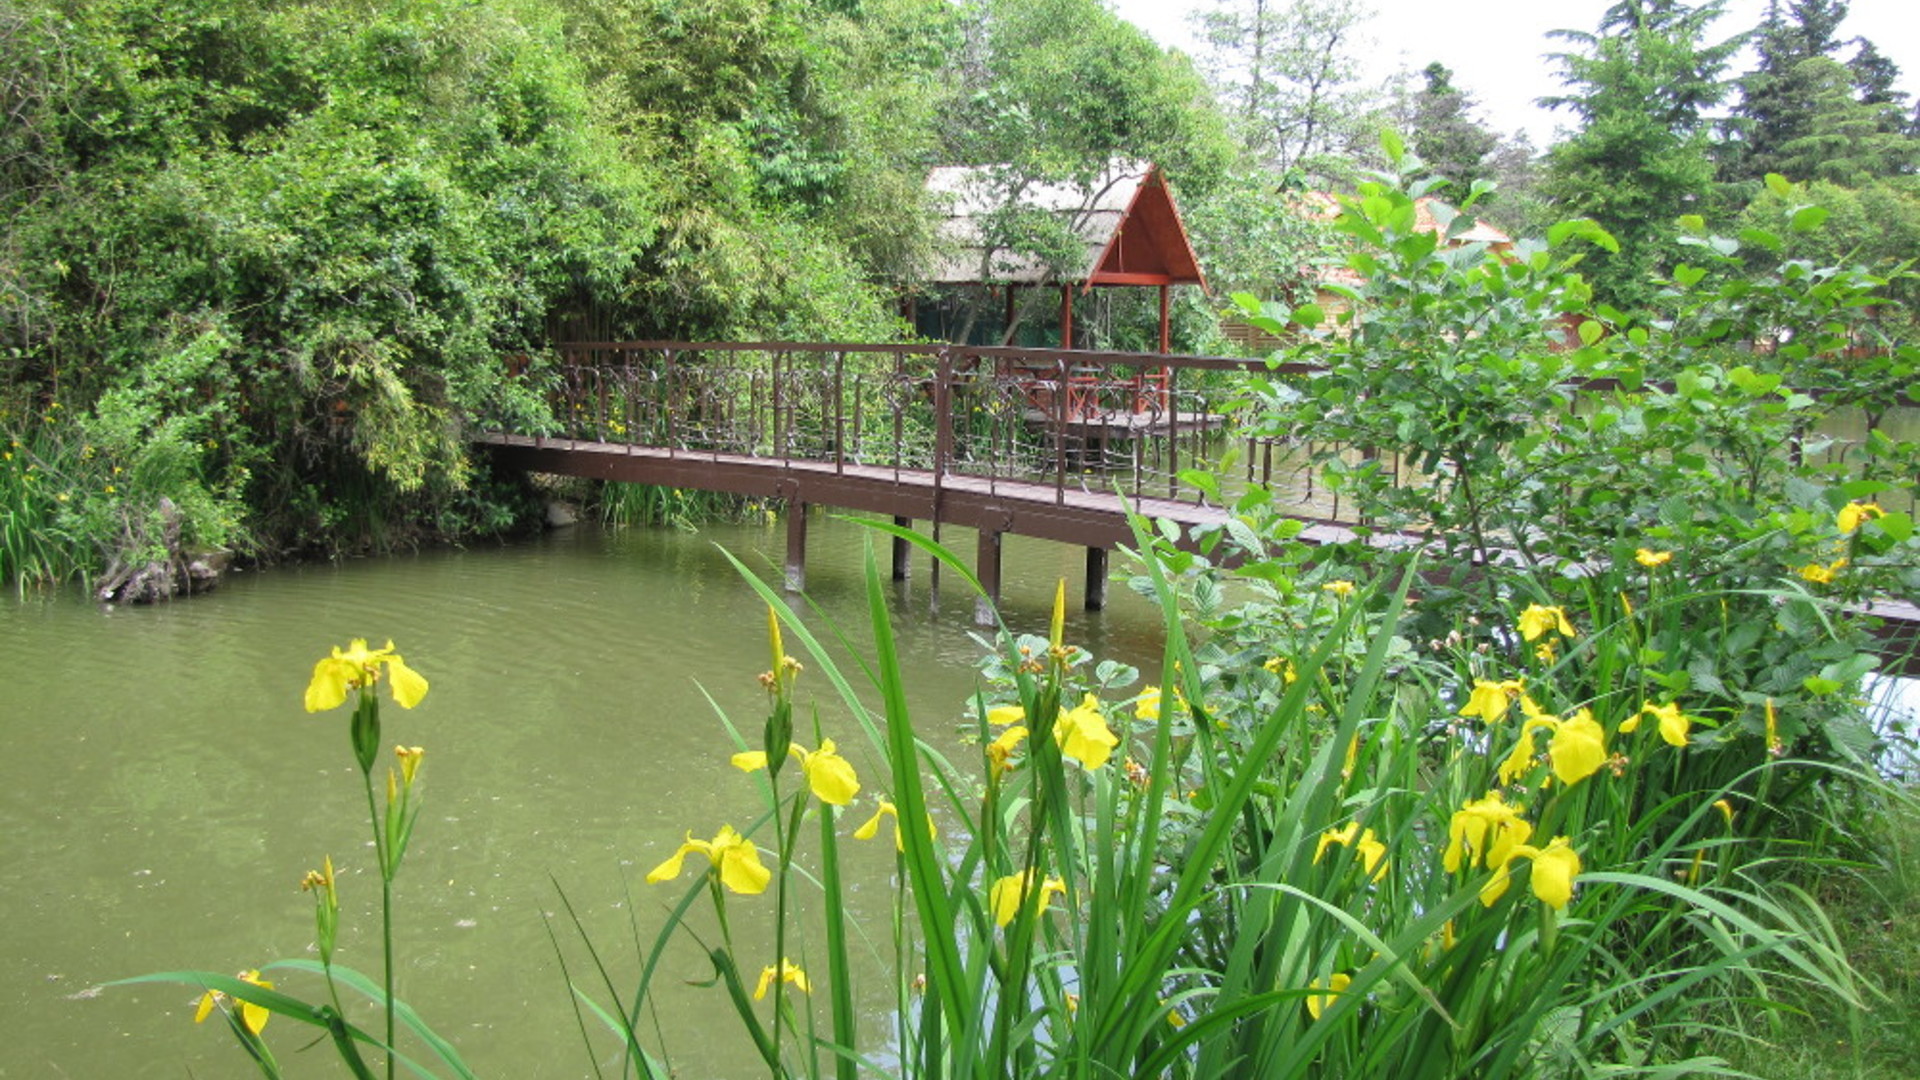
<point x="1128" y="229"/>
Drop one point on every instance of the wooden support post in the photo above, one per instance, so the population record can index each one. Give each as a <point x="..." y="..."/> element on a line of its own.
<point x="902" y="551"/>
<point x="796" y="545"/>
<point x="987" y="566"/>
<point x="1166" y="324"/>
<point x="1066" y="322"/>
<point x="1096" y="579"/>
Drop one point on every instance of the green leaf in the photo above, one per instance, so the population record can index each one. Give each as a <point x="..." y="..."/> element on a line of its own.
<point x="1591" y="331"/>
<point x="1809" y="218"/>
<point x="1778" y="185"/>
<point x="1896" y="524"/>
<point x="1393" y="145"/>
<point x="1849" y="671"/>
<point x="1309" y="315"/>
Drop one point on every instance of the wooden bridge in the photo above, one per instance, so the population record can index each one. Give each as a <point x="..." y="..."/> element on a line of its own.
<point x="1051" y="444"/>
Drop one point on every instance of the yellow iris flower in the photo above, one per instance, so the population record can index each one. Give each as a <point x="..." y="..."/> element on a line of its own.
<point x="1282" y="667"/>
<point x="829" y="776"/>
<point x="252" y="1017"/>
<point x="1372" y="851"/>
<point x="1674" y="724"/>
<point x="1578" y="748"/>
<point x="1649" y="558"/>
<point x="1339" y="588"/>
<point x="1554" y="868"/>
<point x="1005" y="714"/>
<point x="1484" y="832"/>
<point x="1147" y="707"/>
<point x="1538" y="620"/>
<point x="359" y="666"/>
<point x="888" y="810"/>
<point x="1334" y="985"/>
<point x="1854" y="513"/>
<point x="1009" y="894"/>
<point x="788" y="972"/>
<point x="1576" y="751"/>
<point x="1490" y="700"/>
<point x="1000" y="750"/>
<point x="1823" y="575"/>
<point x="733" y="856"/>
<point x="1083" y="734"/>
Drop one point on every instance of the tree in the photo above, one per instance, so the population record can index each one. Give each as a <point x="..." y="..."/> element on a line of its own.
<point x="1055" y="94"/>
<point x="1641" y="85"/>
<point x="1844" y="141"/>
<point x="1799" y="103"/>
<point x="1287" y="72"/>
<point x="1445" y="134"/>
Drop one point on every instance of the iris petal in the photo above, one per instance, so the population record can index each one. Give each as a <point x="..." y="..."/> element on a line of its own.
<point x="830" y="776"/>
<point x="409" y="686"/>
<point x="328" y="687"/>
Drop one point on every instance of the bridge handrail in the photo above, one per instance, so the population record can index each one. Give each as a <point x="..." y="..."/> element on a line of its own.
<point x="997" y="412"/>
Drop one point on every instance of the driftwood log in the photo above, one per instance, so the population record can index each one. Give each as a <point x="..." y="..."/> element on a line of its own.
<point x="167" y="572"/>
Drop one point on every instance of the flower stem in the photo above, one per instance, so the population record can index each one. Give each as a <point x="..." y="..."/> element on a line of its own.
<point x="370" y="706"/>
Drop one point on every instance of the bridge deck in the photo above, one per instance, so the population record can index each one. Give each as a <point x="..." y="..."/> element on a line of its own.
<point x="1048" y="511"/>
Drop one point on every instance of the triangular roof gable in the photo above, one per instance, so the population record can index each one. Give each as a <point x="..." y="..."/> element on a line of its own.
<point x="1149" y="246"/>
<point x="1126" y="217"/>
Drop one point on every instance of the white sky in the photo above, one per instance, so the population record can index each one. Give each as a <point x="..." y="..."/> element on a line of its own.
<point x="1495" y="47"/>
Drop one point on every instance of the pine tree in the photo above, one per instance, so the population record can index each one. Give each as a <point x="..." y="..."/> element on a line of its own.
<point x="1445" y="134"/>
<point x="1846" y="141"/>
<point x="1641" y="85"/>
<point x="1795" y="112"/>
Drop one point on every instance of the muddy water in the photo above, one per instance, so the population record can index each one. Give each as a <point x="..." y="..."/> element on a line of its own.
<point x="162" y="791"/>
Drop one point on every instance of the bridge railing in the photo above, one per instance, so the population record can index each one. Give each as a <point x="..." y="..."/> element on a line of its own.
<point x="1079" y="421"/>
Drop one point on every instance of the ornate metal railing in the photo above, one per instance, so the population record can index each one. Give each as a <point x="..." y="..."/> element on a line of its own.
<point x="1075" y="420"/>
<point x="1080" y="421"/>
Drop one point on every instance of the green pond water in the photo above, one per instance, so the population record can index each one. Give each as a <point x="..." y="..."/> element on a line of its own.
<point x="162" y="791"/>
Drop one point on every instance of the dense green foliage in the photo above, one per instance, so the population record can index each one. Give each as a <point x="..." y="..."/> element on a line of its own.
<point x="1647" y="151"/>
<point x="275" y="259"/>
<point x="1642" y="86"/>
<point x="1534" y="482"/>
<point x="285" y="248"/>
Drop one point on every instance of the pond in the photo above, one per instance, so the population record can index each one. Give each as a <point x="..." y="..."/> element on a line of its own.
<point x="163" y="791"/>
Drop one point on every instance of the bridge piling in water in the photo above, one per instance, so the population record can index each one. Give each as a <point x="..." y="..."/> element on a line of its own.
<point x="902" y="551"/>
<point x="987" y="567"/>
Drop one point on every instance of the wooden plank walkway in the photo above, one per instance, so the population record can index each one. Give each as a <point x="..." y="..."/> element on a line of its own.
<point x="1096" y="520"/>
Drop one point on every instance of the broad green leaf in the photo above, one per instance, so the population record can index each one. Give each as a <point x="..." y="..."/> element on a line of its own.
<point x="1809" y="218"/>
<point x="1393" y="145"/>
<point x="1897" y="524"/>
